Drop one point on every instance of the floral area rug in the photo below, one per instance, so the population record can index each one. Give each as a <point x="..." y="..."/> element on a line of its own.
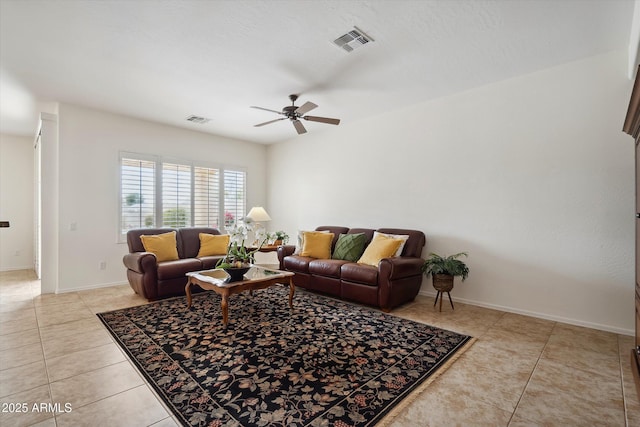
<point x="324" y="363"/>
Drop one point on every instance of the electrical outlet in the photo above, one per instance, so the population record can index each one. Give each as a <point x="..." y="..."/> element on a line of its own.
<point x="103" y="265"/>
<point x="16" y="253"/>
<point x="73" y="226"/>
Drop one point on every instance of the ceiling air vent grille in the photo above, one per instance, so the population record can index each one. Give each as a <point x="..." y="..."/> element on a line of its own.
<point x="352" y="40"/>
<point x="197" y="119"/>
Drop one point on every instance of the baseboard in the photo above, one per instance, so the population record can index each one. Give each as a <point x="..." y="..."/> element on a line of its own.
<point x="544" y="316"/>
<point x="90" y="287"/>
<point x="28" y="267"/>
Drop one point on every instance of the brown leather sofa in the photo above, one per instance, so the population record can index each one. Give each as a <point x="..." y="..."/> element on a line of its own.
<point x="155" y="280"/>
<point x="393" y="282"/>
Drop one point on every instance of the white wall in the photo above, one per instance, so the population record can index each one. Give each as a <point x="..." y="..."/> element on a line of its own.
<point x="532" y="176"/>
<point x="90" y="142"/>
<point x="16" y="202"/>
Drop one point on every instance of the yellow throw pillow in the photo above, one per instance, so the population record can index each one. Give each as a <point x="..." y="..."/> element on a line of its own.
<point x="379" y="248"/>
<point x="162" y="245"/>
<point x="317" y="244"/>
<point x="213" y="244"/>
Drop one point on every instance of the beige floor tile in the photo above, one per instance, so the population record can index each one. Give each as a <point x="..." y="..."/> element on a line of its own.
<point x="8" y="307"/>
<point x="12" y="326"/>
<point x="19" y="339"/>
<point x="26" y="314"/>
<point x="480" y="382"/>
<point x="579" y="358"/>
<point x="61" y="330"/>
<point x="72" y="343"/>
<point x="589" y="339"/>
<point x="83" y="361"/>
<point x="442" y="405"/>
<point x="167" y="422"/>
<point x="114" y="303"/>
<point x="515" y="341"/>
<point x="92" y="386"/>
<point x="26" y="417"/>
<point x="537" y="328"/>
<point x="560" y="395"/>
<point x="22" y="378"/>
<point x="54" y="299"/>
<point x="62" y="313"/>
<point x="135" y="407"/>
<point x="49" y="422"/>
<point x="19" y="356"/>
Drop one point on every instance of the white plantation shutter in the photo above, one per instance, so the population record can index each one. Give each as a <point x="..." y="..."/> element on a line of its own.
<point x="206" y="197"/>
<point x="176" y="195"/>
<point x="155" y="192"/>
<point x="137" y="194"/>
<point x="234" y="196"/>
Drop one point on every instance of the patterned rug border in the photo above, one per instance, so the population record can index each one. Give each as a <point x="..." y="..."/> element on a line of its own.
<point x="414" y="394"/>
<point x="383" y="420"/>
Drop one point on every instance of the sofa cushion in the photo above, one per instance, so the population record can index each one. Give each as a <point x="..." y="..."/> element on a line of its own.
<point x="163" y="246"/>
<point x="300" y="240"/>
<point x="414" y="245"/>
<point x="359" y="273"/>
<point x="178" y="268"/>
<point x="326" y="267"/>
<point x="189" y="240"/>
<point x="349" y="247"/>
<point x="403" y="237"/>
<point x="212" y="244"/>
<point x="317" y="245"/>
<point x="297" y="263"/>
<point x="379" y="248"/>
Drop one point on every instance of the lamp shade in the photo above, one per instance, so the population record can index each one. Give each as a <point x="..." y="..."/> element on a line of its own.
<point x="258" y="214"/>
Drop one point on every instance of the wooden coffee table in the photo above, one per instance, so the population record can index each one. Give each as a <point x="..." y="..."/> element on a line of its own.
<point x="256" y="278"/>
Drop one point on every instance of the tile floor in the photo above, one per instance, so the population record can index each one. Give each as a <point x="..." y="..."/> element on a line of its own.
<point x="522" y="371"/>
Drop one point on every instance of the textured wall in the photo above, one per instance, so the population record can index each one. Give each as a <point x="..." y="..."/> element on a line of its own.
<point x="16" y="202"/>
<point x="532" y="176"/>
<point x="90" y="142"/>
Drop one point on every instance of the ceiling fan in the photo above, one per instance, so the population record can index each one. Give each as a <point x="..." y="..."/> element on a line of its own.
<point x="294" y="113"/>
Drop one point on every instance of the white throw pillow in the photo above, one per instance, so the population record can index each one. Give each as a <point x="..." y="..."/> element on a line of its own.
<point x="404" y="238"/>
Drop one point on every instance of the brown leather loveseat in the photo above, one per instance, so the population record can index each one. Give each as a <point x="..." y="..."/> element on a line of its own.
<point x="155" y="280"/>
<point x="393" y="282"/>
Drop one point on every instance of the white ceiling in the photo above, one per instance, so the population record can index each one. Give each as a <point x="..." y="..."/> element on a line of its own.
<point x="165" y="60"/>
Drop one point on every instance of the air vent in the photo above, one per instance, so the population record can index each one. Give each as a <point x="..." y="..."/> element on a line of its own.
<point x="197" y="119"/>
<point x="352" y="40"/>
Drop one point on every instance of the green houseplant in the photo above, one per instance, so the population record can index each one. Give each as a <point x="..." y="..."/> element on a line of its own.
<point x="280" y="238"/>
<point x="443" y="270"/>
<point x="238" y="260"/>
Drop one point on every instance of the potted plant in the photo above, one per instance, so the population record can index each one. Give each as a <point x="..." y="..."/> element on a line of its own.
<point x="280" y="238"/>
<point x="238" y="260"/>
<point x="443" y="270"/>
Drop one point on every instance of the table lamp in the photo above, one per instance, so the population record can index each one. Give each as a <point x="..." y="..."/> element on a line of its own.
<point x="257" y="214"/>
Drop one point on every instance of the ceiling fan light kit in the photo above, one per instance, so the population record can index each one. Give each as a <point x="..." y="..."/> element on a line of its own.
<point x="294" y="113"/>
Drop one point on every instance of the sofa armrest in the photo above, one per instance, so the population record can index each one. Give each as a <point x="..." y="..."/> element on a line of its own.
<point x="140" y="262"/>
<point x="284" y="251"/>
<point x="400" y="267"/>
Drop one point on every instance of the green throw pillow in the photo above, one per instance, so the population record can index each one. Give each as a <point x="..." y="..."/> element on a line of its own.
<point x="349" y="247"/>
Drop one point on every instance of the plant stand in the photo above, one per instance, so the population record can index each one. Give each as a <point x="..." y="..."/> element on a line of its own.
<point x="443" y="283"/>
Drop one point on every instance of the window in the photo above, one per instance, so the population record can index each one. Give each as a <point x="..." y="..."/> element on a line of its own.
<point x="156" y="192"/>
<point x="234" y="197"/>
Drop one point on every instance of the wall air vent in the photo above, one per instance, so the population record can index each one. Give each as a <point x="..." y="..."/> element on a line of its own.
<point x="352" y="40"/>
<point x="197" y="119"/>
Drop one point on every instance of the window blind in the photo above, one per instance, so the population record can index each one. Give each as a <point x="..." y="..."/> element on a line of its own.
<point x="137" y="192"/>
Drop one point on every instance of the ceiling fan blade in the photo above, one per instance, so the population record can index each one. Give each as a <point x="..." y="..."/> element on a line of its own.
<point x="266" y="109"/>
<point x="270" y="121"/>
<point x="322" y="120"/>
<point x="299" y="127"/>
<point x="306" y="107"/>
